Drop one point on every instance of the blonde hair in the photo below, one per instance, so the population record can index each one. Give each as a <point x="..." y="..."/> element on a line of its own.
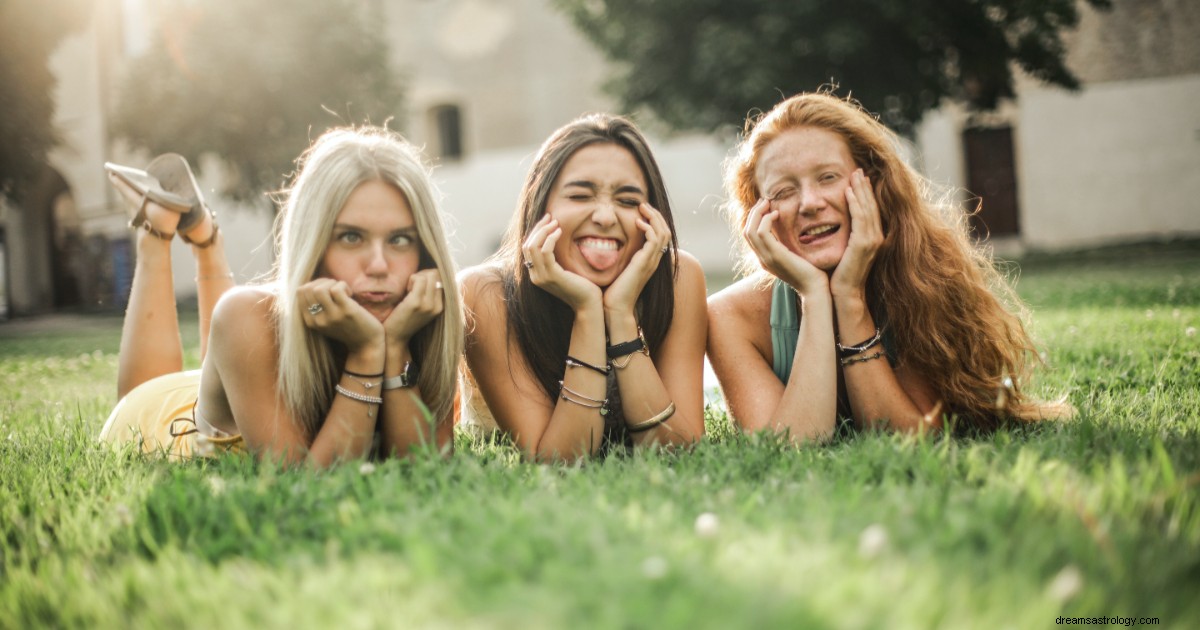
<point x="954" y="318"/>
<point x="336" y="164"/>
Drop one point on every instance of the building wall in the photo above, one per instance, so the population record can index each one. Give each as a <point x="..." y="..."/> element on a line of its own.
<point x="1120" y="160"/>
<point x="1117" y="160"/>
<point x="519" y="70"/>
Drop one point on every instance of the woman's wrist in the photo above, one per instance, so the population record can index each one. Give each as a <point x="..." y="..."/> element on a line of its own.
<point x="618" y="319"/>
<point x="366" y="359"/>
<point x="850" y="303"/>
<point x="396" y="356"/>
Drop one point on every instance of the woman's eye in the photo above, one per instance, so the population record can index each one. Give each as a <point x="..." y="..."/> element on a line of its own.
<point x="579" y="197"/>
<point x="828" y="177"/>
<point x="629" y="202"/>
<point x="349" y="237"/>
<point x="784" y="194"/>
<point x="403" y="240"/>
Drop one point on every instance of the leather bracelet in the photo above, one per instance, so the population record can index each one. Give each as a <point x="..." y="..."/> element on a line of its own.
<point x="619" y="350"/>
<point x="407" y="378"/>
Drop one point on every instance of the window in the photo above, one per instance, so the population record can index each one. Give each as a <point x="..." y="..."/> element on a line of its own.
<point x="446" y="128"/>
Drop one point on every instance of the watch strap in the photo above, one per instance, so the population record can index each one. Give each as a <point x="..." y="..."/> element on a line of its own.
<point x="407" y="378"/>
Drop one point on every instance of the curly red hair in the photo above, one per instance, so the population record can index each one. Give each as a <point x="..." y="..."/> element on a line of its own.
<point x="952" y="317"/>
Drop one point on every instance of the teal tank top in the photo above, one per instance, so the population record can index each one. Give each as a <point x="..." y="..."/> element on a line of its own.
<point x="785" y="329"/>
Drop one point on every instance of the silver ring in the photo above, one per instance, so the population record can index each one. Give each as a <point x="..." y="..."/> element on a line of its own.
<point x="666" y="249"/>
<point x="437" y="285"/>
<point x="529" y="264"/>
<point x="314" y="309"/>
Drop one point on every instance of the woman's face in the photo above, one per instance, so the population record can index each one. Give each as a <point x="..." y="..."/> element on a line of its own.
<point x="805" y="172"/>
<point x="595" y="200"/>
<point x="374" y="247"/>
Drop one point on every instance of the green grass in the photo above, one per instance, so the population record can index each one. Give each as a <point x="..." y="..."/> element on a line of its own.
<point x="1096" y="516"/>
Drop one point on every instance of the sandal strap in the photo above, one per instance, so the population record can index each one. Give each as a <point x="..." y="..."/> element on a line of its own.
<point x="140" y="220"/>
<point x="212" y="238"/>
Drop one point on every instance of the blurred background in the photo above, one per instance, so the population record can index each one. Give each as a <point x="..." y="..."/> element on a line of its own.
<point x="1075" y="123"/>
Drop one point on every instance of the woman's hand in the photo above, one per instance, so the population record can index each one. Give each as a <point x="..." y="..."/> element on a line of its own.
<point x="420" y="305"/>
<point x="545" y="272"/>
<point x="623" y="293"/>
<point x="866" y="237"/>
<point x="338" y="317"/>
<point x="775" y="257"/>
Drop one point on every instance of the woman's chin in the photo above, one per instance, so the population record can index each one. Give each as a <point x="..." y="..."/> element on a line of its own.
<point x="380" y="311"/>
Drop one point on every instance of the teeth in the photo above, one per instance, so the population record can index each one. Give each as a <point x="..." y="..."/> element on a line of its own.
<point x="817" y="231"/>
<point x="599" y="243"/>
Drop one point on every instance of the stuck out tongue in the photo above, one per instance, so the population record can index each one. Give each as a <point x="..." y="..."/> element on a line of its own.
<point x="599" y="259"/>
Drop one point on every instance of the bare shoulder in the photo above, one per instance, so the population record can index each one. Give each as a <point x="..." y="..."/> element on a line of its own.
<point x="746" y="300"/>
<point x="482" y="289"/>
<point x="690" y="274"/>
<point x="481" y="285"/>
<point x="244" y="312"/>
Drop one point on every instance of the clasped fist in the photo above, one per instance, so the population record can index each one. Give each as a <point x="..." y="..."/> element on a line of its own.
<point x="423" y="302"/>
<point x="328" y="307"/>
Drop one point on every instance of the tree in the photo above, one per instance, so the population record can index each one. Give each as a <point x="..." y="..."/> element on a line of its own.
<point x="29" y="34"/>
<point x="705" y="64"/>
<point x="255" y="82"/>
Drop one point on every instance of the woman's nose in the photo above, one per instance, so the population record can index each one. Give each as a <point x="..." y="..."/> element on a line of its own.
<point x="376" y="259"/>
<point x="605" y="212"/>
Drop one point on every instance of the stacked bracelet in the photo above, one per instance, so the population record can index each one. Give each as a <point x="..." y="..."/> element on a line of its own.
<point x="853" y="359"/>
<point x="363" y="398"/>
<point x="581" y="400"/>
<point x="650" y="423"/>
<point x="619" y="350"/>
<point x="849" y="351"/>
<point x="627" y="349"/>
<point x="573" y="362"/>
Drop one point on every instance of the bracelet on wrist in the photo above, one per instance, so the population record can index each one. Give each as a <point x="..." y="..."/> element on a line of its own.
<point x="619" y="350"/>
<point x="849" y="351"/>
<point x="407" y="378"/>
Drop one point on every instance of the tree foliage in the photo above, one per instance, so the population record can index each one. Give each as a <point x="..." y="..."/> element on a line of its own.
<point x="705" y="64"/>
<point x="29" y="34"/>
<point x="255" y="82"/>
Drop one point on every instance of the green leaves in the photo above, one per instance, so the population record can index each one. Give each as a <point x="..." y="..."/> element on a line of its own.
<point x="706" y="65"/>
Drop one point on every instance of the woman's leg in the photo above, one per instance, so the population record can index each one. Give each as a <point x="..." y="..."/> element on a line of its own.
<point x="213" y="277"/>
<point x="150" y="344"/>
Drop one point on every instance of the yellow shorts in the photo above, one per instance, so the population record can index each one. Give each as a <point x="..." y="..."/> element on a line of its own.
<point x="158" y="416"/>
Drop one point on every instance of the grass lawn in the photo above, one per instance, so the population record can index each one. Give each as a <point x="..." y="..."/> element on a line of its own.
<point x="1096" y="516"/>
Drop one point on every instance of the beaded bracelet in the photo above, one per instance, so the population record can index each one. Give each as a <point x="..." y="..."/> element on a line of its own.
<point x="847" y="351"/>
<point x="852" y="359"/>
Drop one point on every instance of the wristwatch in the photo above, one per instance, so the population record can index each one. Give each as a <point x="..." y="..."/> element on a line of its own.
<point x="407" y="378"/>
<point x="619" y="350"/>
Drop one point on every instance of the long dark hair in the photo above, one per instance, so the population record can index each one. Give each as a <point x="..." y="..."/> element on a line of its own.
<point x="541" y="322"/>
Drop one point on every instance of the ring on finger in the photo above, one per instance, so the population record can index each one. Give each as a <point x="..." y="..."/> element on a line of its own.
<point x="315" y="309"/>
<point x="529" y="264"/>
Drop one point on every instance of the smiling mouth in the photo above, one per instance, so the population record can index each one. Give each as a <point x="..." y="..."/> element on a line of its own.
<point x="815" y="233"/>
<point x="600" y="253"/>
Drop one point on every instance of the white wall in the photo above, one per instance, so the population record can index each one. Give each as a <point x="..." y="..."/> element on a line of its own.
<point x="1120" y="160"/>
<point x="480" y="194"/>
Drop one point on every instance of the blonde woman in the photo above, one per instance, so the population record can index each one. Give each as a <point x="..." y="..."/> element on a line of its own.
<point x="864" y="299"/>
<point x="350" y="350"/>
